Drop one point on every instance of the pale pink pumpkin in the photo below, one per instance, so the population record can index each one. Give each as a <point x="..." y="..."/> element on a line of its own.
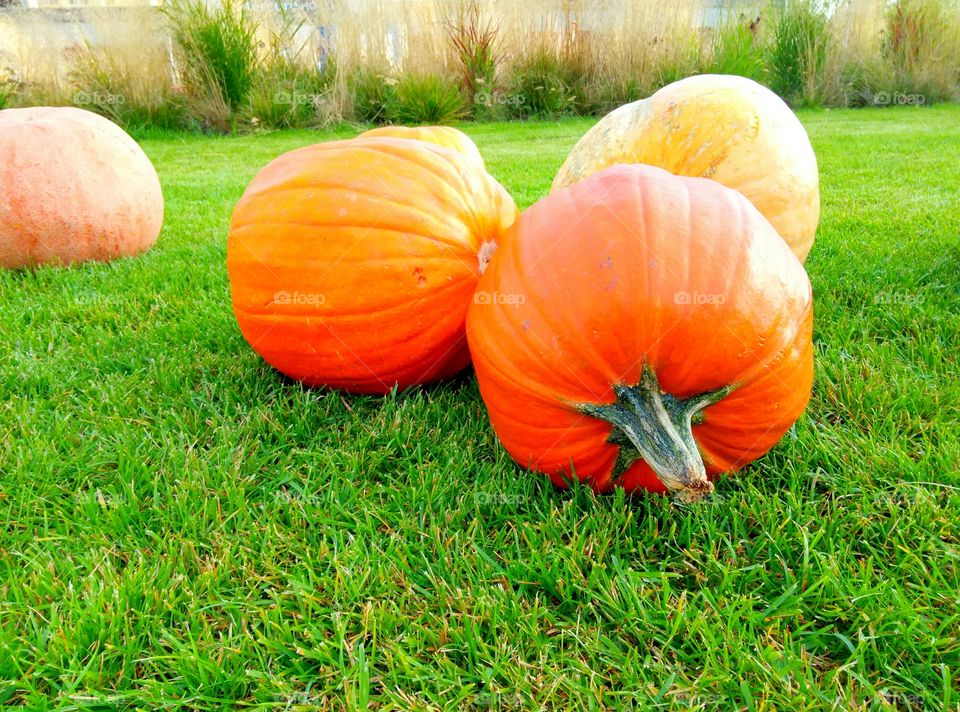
<point x="73" y="187"/>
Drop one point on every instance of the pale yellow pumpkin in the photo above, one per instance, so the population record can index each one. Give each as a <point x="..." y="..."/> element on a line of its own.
<point x="723" y="127"/>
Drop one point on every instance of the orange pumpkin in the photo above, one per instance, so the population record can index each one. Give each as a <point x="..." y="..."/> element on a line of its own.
<point x="723" y="127"/>
<point x="76" y="187"/>
<point x="352" y="263"/>
<point x="440" y="135"/>
<point x="644" y="330"/>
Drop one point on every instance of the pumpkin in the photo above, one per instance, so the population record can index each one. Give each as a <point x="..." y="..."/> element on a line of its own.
<point x="76" y="187"/>
<point x="440" y="135"/>
<point x="352" y="263"/>
<point x="643" y="330"/>
<point x="723" y="127"/>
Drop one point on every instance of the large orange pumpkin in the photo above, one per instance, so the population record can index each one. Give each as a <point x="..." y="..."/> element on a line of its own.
<point x="642" y="329"/>
<point x="723" y="127"/>
<point x="352" y="263"/>
<point x="73" y="187"/>
<point x="440" y="135"/>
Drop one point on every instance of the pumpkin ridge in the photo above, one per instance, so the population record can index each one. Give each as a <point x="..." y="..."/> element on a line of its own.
<point x="521" y="382"/>
<point x="493" y="191"/>
<point x="445" y="136"/>
<point x="441" y="166"/>
<point x="551" y="320"/>
<point x="437" y="291"/>
<point x="511" y="250"/>
<point x="432" y="220"/>
<point x="746" y="384"/>
<point x="373" y="145"/>
<point x="785" y="334"/>
<point x="433" y="239"/>
<point x="735" y="275"/>
<point x="412" y="372"/>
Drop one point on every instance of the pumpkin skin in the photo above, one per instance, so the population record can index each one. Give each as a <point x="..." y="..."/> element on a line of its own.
<point x="352" y="263"/>
<point x="440" y="135"/>
<point x="76" y="187"/>
<point x="668" y="295"/>
<point x="724" y="127"/>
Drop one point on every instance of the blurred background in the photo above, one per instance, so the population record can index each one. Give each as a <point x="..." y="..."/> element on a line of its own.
<point x="230" y="65"/>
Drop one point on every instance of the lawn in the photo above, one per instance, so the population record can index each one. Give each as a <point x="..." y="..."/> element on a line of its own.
<point x="182" y="528"/>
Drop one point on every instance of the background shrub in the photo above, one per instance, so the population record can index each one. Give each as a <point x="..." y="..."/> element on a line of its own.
<point x="539" y="85"/>
<point x="374" y="96"/>
<point x="737" y="48"/>
<point x="921" y="49"/>
<point x="108" y="80"/>
<point x="797" y="52"/>
<point x="289" y="95"/>
<point x="609" y="93"/>
<point x="293" y="86"/>
<point x="579" y="73"/>
<point x="427" y="99"/>
<point x="8" y="88"/>
<point x="681" y="61"/>
<point x="474" y="43"/>
<point x="218" y="56"/>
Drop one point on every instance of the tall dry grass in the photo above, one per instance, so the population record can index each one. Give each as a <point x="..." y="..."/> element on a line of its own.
<point x="853" y="52"/>
<point x="128" y="77"/>
<point x="921" y="45"/>
<point x="884" y="52"/>
<point x="35" y="63"/>
<point x="335" y="59"/>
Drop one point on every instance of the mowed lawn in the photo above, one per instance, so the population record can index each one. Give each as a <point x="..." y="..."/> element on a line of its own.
<point x="182" y="528"/>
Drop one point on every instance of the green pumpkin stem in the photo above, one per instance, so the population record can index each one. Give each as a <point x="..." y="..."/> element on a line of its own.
<point x="657" y="427"/>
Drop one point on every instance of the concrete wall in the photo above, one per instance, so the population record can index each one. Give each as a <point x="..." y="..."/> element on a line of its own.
<point x="38" y="41"/>
<point x="76" y="3"/>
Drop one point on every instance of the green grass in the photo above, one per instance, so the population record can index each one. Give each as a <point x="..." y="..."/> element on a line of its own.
<point x="184" y="529"/>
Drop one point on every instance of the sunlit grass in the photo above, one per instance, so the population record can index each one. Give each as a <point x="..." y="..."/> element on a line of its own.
<point x="182" y="528"/>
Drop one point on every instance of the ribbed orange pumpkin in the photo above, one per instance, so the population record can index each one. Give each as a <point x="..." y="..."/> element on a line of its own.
<point x="642" y="329"/>
<point x="352" y="263"/>
<point x="73" y="187"/>
<point x="723" y="127"/>
<point x="440" y="135"/>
